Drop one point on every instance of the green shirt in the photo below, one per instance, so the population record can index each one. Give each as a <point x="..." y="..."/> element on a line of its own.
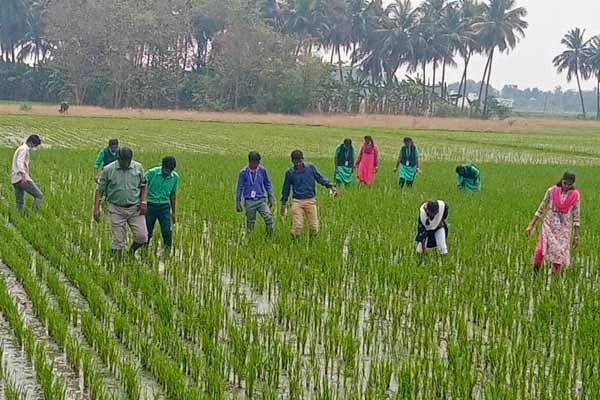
<point x="160" y="188"/>
<point x="122" y="186"/>
<point x="100" y="158"/>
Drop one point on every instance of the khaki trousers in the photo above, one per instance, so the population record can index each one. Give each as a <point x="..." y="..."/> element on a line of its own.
<point x="120" y="217"/>
<point x="301" y="208"/>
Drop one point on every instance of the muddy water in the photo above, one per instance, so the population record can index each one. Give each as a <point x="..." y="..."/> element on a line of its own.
<point x="53" y="353"/>
<point x="15" y="365"/>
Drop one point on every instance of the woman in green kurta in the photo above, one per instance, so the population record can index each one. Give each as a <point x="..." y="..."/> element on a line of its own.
<point x="468" y="177"/>
<point x="408" y="161"/>
<point x="344" y="162"/>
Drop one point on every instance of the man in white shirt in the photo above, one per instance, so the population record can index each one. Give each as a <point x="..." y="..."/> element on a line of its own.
<point x="20" y="178"/>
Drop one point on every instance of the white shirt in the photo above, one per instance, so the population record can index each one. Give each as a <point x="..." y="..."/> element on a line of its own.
<point x="20" y="164"/>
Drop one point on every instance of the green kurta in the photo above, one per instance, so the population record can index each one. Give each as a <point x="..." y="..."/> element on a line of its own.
<point x="408" y="163"/>
<point x="471" y="182"/>
<point x="345" y="162"/>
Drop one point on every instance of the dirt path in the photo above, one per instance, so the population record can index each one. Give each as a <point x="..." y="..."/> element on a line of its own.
<point x="515" y="124"/>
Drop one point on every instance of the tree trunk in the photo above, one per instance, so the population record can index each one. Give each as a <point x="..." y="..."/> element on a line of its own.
<point x="487" y="84"/>
<point x="443" y="78"/>
<point x="423" y="63"/>
<point x="485" y="70"/>
<point x="433" y="81"/>
<point x="580" y="93"/>
<point x="598" y="98"/>
<point x="340" y="63"/>
<point x="463" y="91"/>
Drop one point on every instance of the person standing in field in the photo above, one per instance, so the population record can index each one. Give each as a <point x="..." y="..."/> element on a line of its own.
<point x="408" y="161"/>
<point x="432" y="230"/>
<point x="163" y="183"/>
<point x="344" y="162"/>
<point x="366" y="164"/>
<point x="254" y="187"/>
<point x="300" y="180"/>
<point x="124" y="184"/>
<point x="468" y="177"/>
<point x="560" y="228"/>
<point x="105" y="156"/>
<point x="20" y="178"/>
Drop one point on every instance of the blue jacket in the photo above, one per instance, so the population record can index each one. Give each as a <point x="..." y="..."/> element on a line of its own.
<point x="302" y="183"/>
<point x="248" y="182"/>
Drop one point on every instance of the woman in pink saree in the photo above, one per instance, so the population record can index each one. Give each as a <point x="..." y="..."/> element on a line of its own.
<point x="366" y="163"/>
<point x="560" y="228"/>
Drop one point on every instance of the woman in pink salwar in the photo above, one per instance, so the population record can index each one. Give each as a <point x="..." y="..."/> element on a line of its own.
<point x="560" y="227"/>
<point x="366" y="163"/>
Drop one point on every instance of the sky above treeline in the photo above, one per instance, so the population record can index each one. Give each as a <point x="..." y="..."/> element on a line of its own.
<point x="530" y="63"/>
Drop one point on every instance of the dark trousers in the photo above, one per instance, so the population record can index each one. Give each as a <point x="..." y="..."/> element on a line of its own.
<point x="31" y="188"/>
<point x="162" y="213"/>
<point x="403" y="182"/>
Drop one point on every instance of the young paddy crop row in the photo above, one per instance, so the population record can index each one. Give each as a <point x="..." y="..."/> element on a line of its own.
<point x="354" y="314"/>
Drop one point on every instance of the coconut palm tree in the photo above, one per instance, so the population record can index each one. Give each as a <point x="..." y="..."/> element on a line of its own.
<point x="470" y="13"/>
<point x="592" y="61"/>
<point x="501" y="26"/>
<point x="573" y="59"/>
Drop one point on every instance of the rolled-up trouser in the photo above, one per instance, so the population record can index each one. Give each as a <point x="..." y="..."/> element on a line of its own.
<point x="31" y="188"/>
<point x="162" y="213"/>
<point x="300" y="208"/>
<point x="122" y="216"/>
<point x="261" y="207"/>
<point x="440" y="240"/>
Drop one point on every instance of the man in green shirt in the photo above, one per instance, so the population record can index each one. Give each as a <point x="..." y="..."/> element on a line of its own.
<point x="106" y="156"/>
<point x="163" y="182"/>
<point x="124" y="185"/>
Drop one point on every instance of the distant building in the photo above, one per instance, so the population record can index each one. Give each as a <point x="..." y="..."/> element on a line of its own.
<point x="505" y="102"/>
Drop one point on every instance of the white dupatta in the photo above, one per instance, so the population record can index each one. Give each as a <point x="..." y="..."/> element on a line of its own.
<point x="436" y="221"/>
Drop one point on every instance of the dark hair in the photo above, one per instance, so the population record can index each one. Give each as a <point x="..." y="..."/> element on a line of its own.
<point x="348" y="142"/>
<point x="369" y="139"/>
<point x="169" y="163"/>
<point x="567" y="176"/>
<point x="113" y="142"/>
<point x="433" y="207"/>
<point x="34" y="140"/>
<point x="254" y="156"/>
<point x="125" y="154"/>
<point x="407" y="139"/>
<point x="461" y="170"/>
<point x="297" y="155"/>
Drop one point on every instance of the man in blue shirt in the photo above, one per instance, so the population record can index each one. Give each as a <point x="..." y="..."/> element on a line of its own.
<point x="254" y="187"/>
<point x="300" y="180"/>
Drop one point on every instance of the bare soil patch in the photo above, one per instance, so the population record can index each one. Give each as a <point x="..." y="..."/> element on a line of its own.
<point x="515" y="124"/>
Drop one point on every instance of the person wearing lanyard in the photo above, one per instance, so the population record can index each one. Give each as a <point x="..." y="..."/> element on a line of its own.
<point x="254" y="187"/>
<point x="408" y="161"/>
<point x="344" y="162"/>
<point x="124" y="184"/>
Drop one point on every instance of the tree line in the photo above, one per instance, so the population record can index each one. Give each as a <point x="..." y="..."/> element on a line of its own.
<point x="261" y="55"/>
<point x="582" y="60"/>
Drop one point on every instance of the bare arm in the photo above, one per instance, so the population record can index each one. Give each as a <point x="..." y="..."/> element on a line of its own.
<point x="540" y="211"/>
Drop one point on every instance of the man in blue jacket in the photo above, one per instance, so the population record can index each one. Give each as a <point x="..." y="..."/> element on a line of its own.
<point x="254" y="187"/>
<point x="300" y="180"/>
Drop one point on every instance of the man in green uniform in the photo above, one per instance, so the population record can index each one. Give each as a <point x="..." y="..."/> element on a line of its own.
<point x="468" y="177"/>
<point x="124" y="185"/>
<point x="163" y="182"/>
<point x="106" y="156"/>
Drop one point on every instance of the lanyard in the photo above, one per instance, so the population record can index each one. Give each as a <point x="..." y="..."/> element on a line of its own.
<point x="252" y="181"/>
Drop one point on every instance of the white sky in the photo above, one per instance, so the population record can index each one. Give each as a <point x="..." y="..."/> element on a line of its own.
<point x="530" y="64"/>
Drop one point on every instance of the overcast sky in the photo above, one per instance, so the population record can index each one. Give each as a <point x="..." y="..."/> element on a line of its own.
<point x="530" y="64"/>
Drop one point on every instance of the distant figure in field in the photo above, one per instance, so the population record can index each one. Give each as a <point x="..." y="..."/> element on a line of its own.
<point x="408" y="161"/>
<point x="20" y="178"/>
<point x="366" y="164"/>
<point x="560" y="227"/>
<point x="125" y="187"/>
<point x="254" y="187"/>
<point x="300" y="180"/>
<point x="432" y="229"/>
<point x="64" y="108"/>
<point x="163" y="183"/>
<point x="344" y="162"/>
<point x="106" y="156"/>
<point x="468" y="178"/>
